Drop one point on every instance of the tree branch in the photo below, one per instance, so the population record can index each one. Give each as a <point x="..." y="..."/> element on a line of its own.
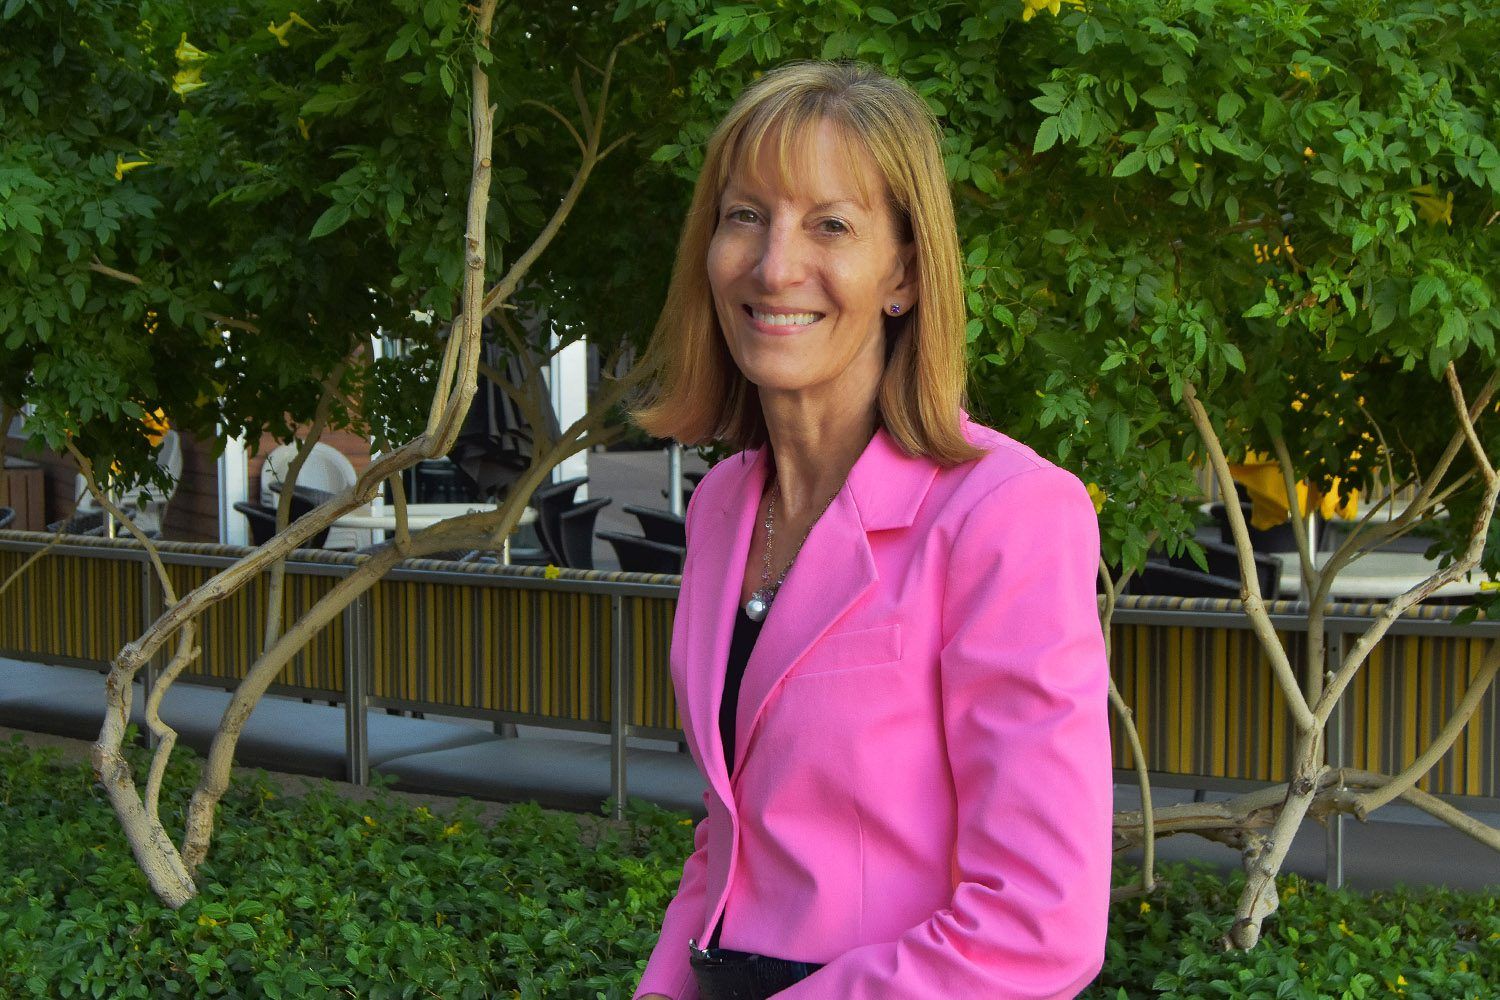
<point x="101" y="268"/>
<point x="1255" y="608"/>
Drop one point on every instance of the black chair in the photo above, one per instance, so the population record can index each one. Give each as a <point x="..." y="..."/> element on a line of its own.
<point x="576" y="533"/>
<point x="1166" y="580"/>
<point x="660" y="525"/>
<point x="641" y="555"/>
<point x="549" y="502"/>
<point x="263" y="523"/>
<point x="1224" y="561"/>
<point x="7" y="515"/>
<point x="80" y="523"/>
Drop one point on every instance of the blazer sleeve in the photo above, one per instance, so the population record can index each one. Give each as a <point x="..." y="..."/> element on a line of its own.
<point x="1024" y="680"/>
<point x="667" y="971"/>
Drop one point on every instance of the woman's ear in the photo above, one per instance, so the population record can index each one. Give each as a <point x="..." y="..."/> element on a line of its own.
<point x="908" y="287"/>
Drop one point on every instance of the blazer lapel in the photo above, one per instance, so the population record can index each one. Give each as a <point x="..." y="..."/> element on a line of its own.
<point x="834" y="569"/>
<point x="721" y="540"/>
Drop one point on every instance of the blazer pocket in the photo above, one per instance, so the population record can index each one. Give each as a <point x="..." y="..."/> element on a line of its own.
<point x="866" y="647"/>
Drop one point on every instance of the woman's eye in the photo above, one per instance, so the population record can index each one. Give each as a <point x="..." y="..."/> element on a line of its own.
<point x="833" y="226"/>
<point x="745" y="215"/>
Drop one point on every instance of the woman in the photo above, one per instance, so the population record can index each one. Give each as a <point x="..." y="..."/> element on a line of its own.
<point x="887" y="653"/>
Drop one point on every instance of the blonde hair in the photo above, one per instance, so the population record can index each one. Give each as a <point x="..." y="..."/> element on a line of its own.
<point x="699" y="394"/>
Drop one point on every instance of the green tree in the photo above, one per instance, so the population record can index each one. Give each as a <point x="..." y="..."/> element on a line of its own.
<point x="210" y="210"/>
<point x="1196" y="229"/>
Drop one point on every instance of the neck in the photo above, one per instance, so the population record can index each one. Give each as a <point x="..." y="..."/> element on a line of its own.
<point x="812" y="450"/>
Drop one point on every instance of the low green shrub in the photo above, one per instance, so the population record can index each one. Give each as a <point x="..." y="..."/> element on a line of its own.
<point x="1429" y="944"/>
<point x="317" y="895"/>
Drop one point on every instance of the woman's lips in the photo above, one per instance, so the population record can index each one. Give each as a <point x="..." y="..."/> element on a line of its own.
<point x="780" y="322"/>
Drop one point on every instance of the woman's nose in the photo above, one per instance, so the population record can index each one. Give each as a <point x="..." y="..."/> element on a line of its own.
<point x="782" y="260"/>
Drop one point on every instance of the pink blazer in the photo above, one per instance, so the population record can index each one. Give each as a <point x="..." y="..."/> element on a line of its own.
<point x="923" y="799"/>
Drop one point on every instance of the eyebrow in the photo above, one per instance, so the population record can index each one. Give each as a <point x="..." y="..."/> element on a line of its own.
<point x="822" y="206"/>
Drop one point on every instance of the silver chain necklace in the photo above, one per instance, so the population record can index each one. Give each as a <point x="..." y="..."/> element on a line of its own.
<point x="760" y="602"/>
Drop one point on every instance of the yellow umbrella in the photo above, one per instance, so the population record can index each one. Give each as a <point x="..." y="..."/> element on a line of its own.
<point x="1261" y="476"/>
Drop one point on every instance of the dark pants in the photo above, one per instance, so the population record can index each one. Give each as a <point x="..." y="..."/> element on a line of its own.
<point x="724" y="974"/>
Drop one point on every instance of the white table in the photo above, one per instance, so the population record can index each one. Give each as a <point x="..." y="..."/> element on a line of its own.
<point x="1373" y="576"/>
<point x="382" y="517"/>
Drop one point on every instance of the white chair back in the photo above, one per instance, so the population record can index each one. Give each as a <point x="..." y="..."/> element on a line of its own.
<point x="326" y="469"/>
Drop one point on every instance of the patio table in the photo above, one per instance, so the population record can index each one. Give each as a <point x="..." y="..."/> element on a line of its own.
<point x="382" y="517"/>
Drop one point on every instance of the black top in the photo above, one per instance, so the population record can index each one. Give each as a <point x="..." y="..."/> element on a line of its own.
<point x="746" y="631"/>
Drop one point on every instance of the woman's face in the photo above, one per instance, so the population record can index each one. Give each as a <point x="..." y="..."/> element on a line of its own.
<point x="802" y="271"/>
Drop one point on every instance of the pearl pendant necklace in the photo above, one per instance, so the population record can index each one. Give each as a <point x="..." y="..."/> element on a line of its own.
<point x="759" y="604"/>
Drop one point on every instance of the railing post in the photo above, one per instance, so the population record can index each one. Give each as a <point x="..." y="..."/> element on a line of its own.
<point x="358" y="642"/>
<point x="618" y="704"/>
<point x="1333" y="752"/>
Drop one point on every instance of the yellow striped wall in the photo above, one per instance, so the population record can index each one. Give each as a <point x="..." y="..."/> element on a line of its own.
<point x="1203" y="695"/>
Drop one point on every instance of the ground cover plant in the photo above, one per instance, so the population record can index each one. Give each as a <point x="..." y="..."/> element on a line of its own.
<point x="320" y="895"/>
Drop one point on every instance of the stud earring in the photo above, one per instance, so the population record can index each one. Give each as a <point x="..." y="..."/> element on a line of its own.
<point x="895" y="308"/>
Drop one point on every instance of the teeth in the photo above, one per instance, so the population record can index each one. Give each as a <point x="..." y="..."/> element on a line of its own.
<point x="785" y="319"/>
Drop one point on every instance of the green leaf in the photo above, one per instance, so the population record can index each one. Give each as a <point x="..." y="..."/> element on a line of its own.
<point x="880" y="15"/>
<point x="1131" y="164"/>
<point x="1426" y="289"/>
<point x="1046" y="135"/>
<point x="1233" y="358"/>
<point x="665" y="153"/>
<point x="336" y="215"/>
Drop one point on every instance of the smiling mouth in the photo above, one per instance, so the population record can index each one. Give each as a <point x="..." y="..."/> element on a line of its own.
<point x="783" y="318"/>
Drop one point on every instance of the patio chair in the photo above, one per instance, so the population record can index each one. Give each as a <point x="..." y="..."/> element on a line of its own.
<point x="146" y="505"/>
<point x="642" y="555"/>
<point x="1224" y="561"/>
<point x="81" y="522"/>
<point x="1164" y="579"/>
<point x="660" y="526"/>
<point x="550" y="501"/>
<point x="325" y="472"/>
<point x="263" y="523"/>
<point x="7" y="515"/>
<point x="576" y="533"/>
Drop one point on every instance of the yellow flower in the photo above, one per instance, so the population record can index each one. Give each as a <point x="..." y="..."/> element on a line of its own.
<point x="124" y="166"/>
<point x="1344" y="928"/>
<point x="439" y="920"/>
<point x="1098" y="496"/>
<point x="369" y="821"/>
<point x="449" y="831"/>
<point x="1300" y="73"/>
<point x="684" y="822"/>
<point x="188" y="80"/>
<point x="187" y="52"/>
<point x="1032" y="8"/>
<point x="423" y="813"/>
<point x="1145" y="906"/>
<point x="1307" y="151"/>
<point x="1490" y="585"/>
<point x="551" y="572"/>
<point x="1431" y="207"/>
<point x="302" y="127"/>
<point x="283" y="29"/>
<point x="207" y="922"/>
